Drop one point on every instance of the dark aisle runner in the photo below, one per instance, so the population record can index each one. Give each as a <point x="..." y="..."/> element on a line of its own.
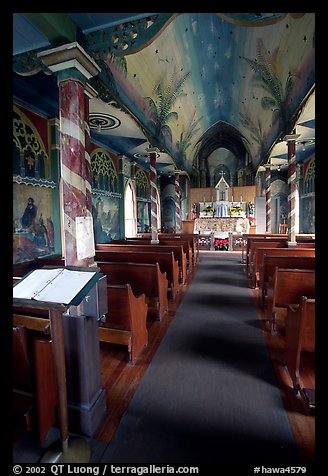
<point x="210" y="395"/>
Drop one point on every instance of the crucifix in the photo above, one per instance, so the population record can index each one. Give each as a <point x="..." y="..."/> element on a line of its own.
<point x="222" y="193"/>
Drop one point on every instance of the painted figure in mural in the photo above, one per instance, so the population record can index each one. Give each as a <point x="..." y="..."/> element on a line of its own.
<point x="29" y="213"/>
<point x="194" y="211"/>
<point x="40" y="233"/>
<point x="51" y="234"/>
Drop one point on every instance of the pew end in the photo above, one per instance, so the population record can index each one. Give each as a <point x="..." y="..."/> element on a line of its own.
<point x="126" y="320"/>
<point x="300" y="337"/>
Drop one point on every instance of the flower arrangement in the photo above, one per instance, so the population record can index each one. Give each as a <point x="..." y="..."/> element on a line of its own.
<point x="251" y="221"/>
<point x="221" y="244"/>
<point x="235" y="211"/>
<point x="209" y="209"/>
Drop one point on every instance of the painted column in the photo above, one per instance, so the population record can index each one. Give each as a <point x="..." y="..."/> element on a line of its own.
<point x="75" y="160"/>
<point x="293" y="197"/>
<point x="177" y="203"/>
<point x="86" y="399"/>
<point x="72" y="150"/>
<point x="268" y="227"/>
<point x="153" y="193"/>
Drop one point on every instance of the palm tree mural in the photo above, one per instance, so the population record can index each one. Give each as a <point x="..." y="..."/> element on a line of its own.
<point x="266" y="76"/>
<point x="185" y="138"/>
<point x="161" y="108"/>
<point x="256" y="132"/>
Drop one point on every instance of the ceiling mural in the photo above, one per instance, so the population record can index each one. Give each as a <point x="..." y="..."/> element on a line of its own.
<point x="203" y="70"/>
<point x="190" y="83"/>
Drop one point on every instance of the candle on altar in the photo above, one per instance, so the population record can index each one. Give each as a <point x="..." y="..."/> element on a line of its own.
<point x="232" y="198"/>
<point x="204" y="198"/>
<point x="241" y="198"/>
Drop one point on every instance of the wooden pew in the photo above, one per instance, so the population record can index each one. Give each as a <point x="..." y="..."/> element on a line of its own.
<point x="299" y="336"/>
<point x="253" y="238"/>
<point x="144" y="278"/>
<point x="164" y="241"/>
<point x="53" y="260"/>
<point x="305" y="237"/>
<point x="179" y="254"/>
<point x="166" y="261"/>
<point x="254" y="245"/>
<point x="192" y="238"/>
<point x="286" y="288"/>
<point x="269" y="263"/>
<point x="248" y="237"/>
<point x="126" y="320"/>
<point x="305" y="244"/>
<point x="260" y="251"/>
<point x="21" y="269"/>
<point x="34" y="381"/>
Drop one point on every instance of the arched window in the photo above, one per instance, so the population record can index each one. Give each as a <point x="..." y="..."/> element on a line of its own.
<point x="129" y="211"/>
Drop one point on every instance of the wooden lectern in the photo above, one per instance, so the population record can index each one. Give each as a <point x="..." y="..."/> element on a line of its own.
<point x="56" y="290"/>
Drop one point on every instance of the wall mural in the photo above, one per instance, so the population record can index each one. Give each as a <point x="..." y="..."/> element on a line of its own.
<point x="308" y="222"/>
<point x="33" y="227"/>
<point x="143" y="217"/>
<point x="105" y="213"/>
<point x="168" y="215"/>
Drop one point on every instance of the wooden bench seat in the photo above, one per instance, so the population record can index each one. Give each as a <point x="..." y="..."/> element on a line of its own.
<point x="165" y="239"/>
<point x="144" y="278"/>
<point x="247" y="238"/>
<point x="299" y="336"/>
<point x="179" y="254"/>
<point x="286" y="288"/>
<point x="164" y="242"/>
<point x="166" y="261"/>
<point x="191" y="237"/>
<point x="34" y="381"/>
<point x="252" y="264"/>
<point x="269" y="263"/>
<point x="260" y="251"/>
<point x="126" y="320"/>
<point x="305" y="244"/>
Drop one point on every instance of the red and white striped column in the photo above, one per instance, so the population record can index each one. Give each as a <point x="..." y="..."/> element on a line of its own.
<point x="74" y="143"/>
<point x="153" y="193"/>
<point x="293" y="197"/>
<point x="73" y="164"/>
<point x="268" y="227"/>
<point x="177" y="203"/>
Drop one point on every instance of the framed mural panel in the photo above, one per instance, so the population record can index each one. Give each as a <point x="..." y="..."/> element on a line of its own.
<point x="33" y="222"/>
<point x="105" y="212"/>
<point x="143" y="216"/>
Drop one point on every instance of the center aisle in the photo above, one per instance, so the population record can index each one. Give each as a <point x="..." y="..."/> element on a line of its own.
<point x="210" y="394"/>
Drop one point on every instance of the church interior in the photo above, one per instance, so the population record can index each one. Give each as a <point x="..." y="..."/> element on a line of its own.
<point x="148" y="150"/>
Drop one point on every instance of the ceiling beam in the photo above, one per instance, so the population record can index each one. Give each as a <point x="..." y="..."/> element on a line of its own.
<point x="57" y="27"/>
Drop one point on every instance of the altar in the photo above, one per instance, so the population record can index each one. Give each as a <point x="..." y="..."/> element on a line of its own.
<point x="221" y="226"/>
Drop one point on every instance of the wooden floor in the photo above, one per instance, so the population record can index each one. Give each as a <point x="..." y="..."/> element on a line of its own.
<point x="120" y="379"/>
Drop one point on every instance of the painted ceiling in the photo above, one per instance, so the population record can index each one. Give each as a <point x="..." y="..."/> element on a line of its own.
<point x="194" y="85"/>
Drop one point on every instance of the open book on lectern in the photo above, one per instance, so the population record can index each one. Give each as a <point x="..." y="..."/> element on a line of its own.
<point x="57" y="285"/>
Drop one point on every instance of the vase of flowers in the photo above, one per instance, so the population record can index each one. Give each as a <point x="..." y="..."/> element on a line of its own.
<point x="221" y="244"/>
<point x="208" y="210"/>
